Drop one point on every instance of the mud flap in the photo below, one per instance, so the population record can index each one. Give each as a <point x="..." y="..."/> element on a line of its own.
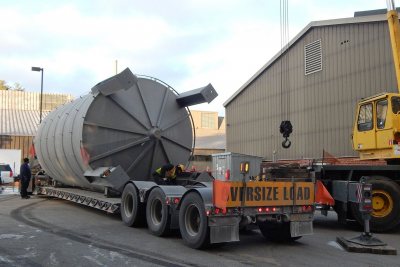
<point x="301" y="228"/>
<point x="224" y="229"/>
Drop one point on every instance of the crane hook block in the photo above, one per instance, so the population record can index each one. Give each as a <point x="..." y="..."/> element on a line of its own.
<point x="286" y="143"/>
<point x="286" y="129"/>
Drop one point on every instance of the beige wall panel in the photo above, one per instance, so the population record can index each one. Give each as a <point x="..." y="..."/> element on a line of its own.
<point x="21" y="100"/>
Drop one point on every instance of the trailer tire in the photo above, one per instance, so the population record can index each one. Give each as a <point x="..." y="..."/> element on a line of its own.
<point x="157" y="215"/>
<point x="193" y="222"/>
<point x="277" y="232"/>
<point x="386" y="205"/>
<point x="132" y="211"/>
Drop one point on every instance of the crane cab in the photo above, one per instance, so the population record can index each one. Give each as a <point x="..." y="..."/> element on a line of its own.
<point x="376" y="131"/>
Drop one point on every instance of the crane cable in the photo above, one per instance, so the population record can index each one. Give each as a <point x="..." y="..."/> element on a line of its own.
<point x="286" y="127"/>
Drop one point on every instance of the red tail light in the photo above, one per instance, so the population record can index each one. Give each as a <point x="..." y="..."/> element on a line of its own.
<point x="176" y="200"/>
<point x="307" y="208"/>
<point x="11" y="174"/>
<point x="259" y="209"/>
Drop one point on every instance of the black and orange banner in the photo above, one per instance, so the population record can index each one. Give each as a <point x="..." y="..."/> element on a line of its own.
<point x="234" y="194"/>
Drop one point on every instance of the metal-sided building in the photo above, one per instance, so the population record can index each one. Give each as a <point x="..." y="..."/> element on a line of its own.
<point x="330" y="65"/>
<point x="20" y="115"/>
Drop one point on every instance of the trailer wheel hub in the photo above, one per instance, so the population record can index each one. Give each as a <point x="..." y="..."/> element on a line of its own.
<point x="156" y="212"/>
<point x="192" y="220"/>
<point x="382" y="203"/>
<point x="128" y="207"/>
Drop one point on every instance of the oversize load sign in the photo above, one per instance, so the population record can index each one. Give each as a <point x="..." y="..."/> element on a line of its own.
<point x="234" y="194"/>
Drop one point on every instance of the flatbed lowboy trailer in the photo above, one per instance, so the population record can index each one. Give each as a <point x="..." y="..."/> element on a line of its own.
<point x="207" y="212"/>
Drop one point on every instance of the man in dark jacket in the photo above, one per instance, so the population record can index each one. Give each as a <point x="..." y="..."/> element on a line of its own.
<point x="25" y="174"/>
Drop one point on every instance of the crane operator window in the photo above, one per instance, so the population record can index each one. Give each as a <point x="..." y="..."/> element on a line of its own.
<point x="396" y="105"/>
<point x="381" y="110"/>
<point x="364" y="122"/>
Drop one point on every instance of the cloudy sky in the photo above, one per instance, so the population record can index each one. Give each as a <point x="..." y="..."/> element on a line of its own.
<point x="186" y="43"/>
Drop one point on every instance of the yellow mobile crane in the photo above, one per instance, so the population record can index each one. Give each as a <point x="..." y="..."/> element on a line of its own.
<point x="376" y="132"/>
<point x="376" y="135"/>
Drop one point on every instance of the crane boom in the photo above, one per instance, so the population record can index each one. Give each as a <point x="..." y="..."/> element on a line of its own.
<point x="394" y="30"/>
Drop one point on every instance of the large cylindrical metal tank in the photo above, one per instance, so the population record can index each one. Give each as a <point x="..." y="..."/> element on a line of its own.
<point x="134" y="122"/>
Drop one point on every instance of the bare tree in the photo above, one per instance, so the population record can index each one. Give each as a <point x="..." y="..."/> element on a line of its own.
<point x="4" y="86"/>
<point x="18" y="87"/>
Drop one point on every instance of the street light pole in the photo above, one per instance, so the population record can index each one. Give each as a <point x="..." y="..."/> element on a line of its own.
<point x="41" y="91"/>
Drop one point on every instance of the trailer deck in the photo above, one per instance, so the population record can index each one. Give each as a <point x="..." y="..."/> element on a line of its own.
<point x="88" y="198"/>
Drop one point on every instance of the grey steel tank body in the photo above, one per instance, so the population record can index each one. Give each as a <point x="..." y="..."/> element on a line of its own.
<point x="134" y="122"/>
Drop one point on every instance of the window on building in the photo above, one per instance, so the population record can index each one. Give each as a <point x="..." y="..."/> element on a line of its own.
<point x="208" y="120"/>
<point x="381" y="110"/>
<point x="313" y="57"/>
<point x="364" y="122"/>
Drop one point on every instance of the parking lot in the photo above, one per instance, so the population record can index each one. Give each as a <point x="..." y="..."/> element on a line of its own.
<point x="50" y="232"/>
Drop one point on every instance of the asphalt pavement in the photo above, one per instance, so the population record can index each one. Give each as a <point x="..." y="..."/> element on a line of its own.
<point x="43" y="231"/>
